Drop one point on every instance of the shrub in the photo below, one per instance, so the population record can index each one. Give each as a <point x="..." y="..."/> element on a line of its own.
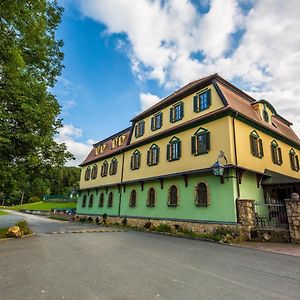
<point x="148" y="224"/>
<point x="104" y="218"/>
<point x="90" y="220"/>
<point x="124" y="221"/>
<point x="34" y="199"/>
<point x="97" y="220"/>
<point x="24" y="227"/>
<point x="82" y="219"/>
<point x="163" y="227"/>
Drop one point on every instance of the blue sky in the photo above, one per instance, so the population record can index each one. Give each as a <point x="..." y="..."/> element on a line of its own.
<point x="121" y="56"/>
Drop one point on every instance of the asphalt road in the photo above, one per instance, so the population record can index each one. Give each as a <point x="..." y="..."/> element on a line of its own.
<point x="136" y="265"/>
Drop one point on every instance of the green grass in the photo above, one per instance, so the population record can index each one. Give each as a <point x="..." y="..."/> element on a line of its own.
<point x="59" y="218"/>
<point x="23" y="226"/>
<point x="42" y="206"/>
<point x="2" y="213"/>
<point x="3" y="233"/>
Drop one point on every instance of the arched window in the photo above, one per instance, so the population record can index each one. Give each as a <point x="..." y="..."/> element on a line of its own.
<point x="91" y="199"/>
<point x="151" y="197"/>
<point x="84" y="201"/>
<point x="265" y="116"/>
<point x="256" y="145"/>
<point x="87" y="174"/>
<point x="104" y="169"/>
<point x="173" y="196"/>
<point x="153" y="155"/>
<point x="94" y="172"/>
<point x="201" y="195"/>
<point x="174" y="149"/>
<point x="276" y="153"/>
<point x="294" y="160"/>
<point x="132" y="200"/>
<point x="110" y="199"/>
<point x="201" y="142"/>
<point x="113" y="166"/>
<point x="135" y="160"/>
<point x="101" y="200"/>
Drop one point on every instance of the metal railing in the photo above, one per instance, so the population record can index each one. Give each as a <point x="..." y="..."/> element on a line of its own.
<point x="271" y="213"/>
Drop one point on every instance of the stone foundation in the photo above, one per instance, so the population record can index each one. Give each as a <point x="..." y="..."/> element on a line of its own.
<point x="183" y="226"/>
<point x="293" y="214"/>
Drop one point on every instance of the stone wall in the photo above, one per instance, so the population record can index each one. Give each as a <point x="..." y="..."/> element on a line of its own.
<point x="246" y="216"/>
<point x="293" y="214"/>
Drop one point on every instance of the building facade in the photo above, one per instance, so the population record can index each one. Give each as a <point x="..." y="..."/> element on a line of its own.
<point x="161" y="166"/>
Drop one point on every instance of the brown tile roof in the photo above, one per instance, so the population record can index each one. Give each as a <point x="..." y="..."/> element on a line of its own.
<point x="92" y="157"/>
<point x="243" y="106"/>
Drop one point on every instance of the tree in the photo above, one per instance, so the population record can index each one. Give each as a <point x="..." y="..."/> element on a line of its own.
<point x="30" y="61"/>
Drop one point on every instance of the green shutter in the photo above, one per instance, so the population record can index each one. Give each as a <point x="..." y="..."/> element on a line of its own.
<point x="171" y="114"/>
<point x="196" y="104"/>
<point x="208" y="98"/>
<point x="297" y="162"/>
<point x="279" y="155"/>
<point x="131" y="162"/>
<point x="179" y="149"/>
<point x="157" y="154"/>
<point x="207" y="141"/>
<point x="182" y="110"/>
<point x="152" y="123"/>
<point x="161" y="120"/>
<point x="142" y="127"/>
<point x="148" y="157"/>
<point x="273" y="153"/>
<point x="138" y="160"/>
<point x="252" y="144"/>
<point x="168" y="152"/>
<point x="193" y="145"/>
<point x="261" y="149"/>
<point x="292" y="161"/>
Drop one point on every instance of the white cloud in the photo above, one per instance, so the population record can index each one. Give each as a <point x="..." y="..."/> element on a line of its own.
<point x="165" y="38"/>
<point x="68" y="135"/>
<point x="147" y="100"/>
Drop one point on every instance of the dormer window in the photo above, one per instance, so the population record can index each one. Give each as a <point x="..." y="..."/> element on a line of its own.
<point x="266" y="116"/>
<point x="156" y="121"/>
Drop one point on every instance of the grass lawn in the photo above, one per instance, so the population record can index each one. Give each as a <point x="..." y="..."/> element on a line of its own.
<point x="3" y="233"/>
<point x="42" y="206"/>
<point x="2" y="213"/>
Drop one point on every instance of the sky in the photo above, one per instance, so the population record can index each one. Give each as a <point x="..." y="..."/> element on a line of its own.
<point x="122" y="56"/>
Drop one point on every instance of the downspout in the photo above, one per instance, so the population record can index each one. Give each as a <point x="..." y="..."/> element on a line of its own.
<point x="236" y="167"/>
<point x="235" y="156"/>
<point x="120" y="196"/>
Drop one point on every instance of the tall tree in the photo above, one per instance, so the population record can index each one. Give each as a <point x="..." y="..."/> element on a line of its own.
<point x="30" y="61"/>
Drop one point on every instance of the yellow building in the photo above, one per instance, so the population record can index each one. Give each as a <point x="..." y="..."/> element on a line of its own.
<point x="162" y="166"/>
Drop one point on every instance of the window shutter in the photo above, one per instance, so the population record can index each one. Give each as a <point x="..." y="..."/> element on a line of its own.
<point x="148" y="157"/>
<point x="196" y="103"/>
<point x="297" y="162"/>
<point x="142" y="128"/>
<point x="193" y="145"/>
<point x="261" y="149"/>
<point x="179" y="149"/>
<point x="168" y="152"/>
<point x="171" y="114"/>
<point x="138" y="160"/>
<point x="152" y="123"/>
<point x="115" y="166"/>
<point x="292" y="161"/>
<point x="136" y="131"/>
<point x="182" y="110"/>
<point x="273" y="153"/>
<point x="252" y="144"/>
<point x="208" y="98"/>
<point x="157" y="154"/>
<point x="160" y="120"/>
<point x="279" y="155"/>
<point x="132" y="162"/>
<point x="207" y="140"/>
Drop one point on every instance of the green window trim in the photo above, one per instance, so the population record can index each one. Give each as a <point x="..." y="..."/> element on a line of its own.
<point x="153" y="155"/>
<point x="135" y="161"/>
<point x="177" y="112"/>
<point x="202" y="101"/>
<point x="87" y="174"/>
<point x="294" y="160"/>
<point x="256" y="145"/>
<point x="200" y="142"/>
<point x="276" y="153"/>
<point x="139" y="129"/>
<point x="104" y="169"/>
<point x="157" y="121"/>
<point x="113" y="166"/>
<point x="174" y="149"/>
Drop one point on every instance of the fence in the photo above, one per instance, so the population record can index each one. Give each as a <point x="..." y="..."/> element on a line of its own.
<point x="271" y="213"/>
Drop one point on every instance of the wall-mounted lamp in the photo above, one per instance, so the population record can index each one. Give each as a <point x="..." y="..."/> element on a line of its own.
<point x="219" y="166"/>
